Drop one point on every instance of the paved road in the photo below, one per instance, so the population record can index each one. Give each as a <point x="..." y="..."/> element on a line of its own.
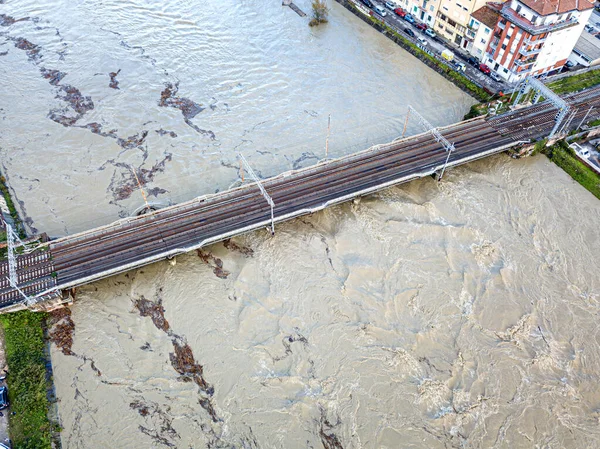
<point x="438" y="46"/>
<point x="128" y="244"/>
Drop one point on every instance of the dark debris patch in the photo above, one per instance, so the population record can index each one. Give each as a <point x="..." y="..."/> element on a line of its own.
<point x="96" y="128"/>
<point x="129" y="183"/>
<point x="215" y="263"/>
<point x="114" y="84"/>
<point x="6" y="21"/>
<point x="53" y="76"/>
<point x="32" y="50"/>
<point x="232" y="246"/>
<point x="61" y="329"/>
<point x="189" y="108"/>
<point x="161" y="132"/>
<point x="328" y="438"/>
<point x="132" y="141"/>
<point x="155" y="311"/>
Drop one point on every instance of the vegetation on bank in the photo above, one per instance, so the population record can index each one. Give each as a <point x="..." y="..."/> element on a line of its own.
<point x="448" y="72"/>
<point x="564" y="156"/>
<point x="575" y="83"/>
<point x="29" y="426"/>
<point x="319" y="11"/>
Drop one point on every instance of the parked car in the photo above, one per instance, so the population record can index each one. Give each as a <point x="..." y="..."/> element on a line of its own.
<point x="460" y="66"/>
<point x="421" y="26"/>
<point x="570" y="64"/>
<point x="429" y="32"/>
<point x="495" y="77"/>
<point x="485" y="69"/>
<point x="422" y="40"/>
<point x="410" y="32"/>
<point x="380" y="10"/>
<point x="391" y="5"/>
<point x="400" y="12"/>
<point x="367" y="3"/>
<point x="409" y="18"/>
<point x="473" y="61"/>
<point x="4" y="446"/>
<point x="3" y="397"/>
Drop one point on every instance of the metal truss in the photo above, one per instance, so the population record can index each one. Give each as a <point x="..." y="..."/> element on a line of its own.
<point x="262" y="190"/>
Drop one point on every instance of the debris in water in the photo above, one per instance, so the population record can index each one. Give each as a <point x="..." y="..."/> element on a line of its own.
<point x="114" y="84"/>
<point x="214" y="262"/>
<point x="155" y="311"/>
<point x="54" y="76"/>
<point x="61" y="329"/>
<point x="232" y="246"/>
<point x="132" y="141"/>
<point x="32" y="50"/>
<point x="189" y="109"/>
<point x="162" y="132"/>
<point x="8" y="20"/>
<point x="328" y="438"/>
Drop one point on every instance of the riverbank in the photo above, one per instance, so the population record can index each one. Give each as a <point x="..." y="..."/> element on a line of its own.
<point x="27" y="384"/>
<point x="562" y="155"/>
<point x="452" y="75"/>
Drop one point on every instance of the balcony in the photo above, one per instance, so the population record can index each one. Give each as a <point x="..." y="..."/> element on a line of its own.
<point x="523" y="23"/>
<point x="529" y="51"/>
<point x="525" y="62"/>
<point x="529" y="41"/>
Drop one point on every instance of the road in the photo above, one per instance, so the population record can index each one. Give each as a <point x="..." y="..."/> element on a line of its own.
<point x="438" y="46"/>
<point x="127" y="244"/>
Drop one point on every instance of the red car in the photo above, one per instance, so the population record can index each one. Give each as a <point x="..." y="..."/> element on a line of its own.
<point x="485" y="69"/>
<point x="400" y="12"/>
<point x="421" y="26"/>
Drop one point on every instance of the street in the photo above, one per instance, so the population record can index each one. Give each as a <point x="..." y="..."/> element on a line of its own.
<point x="437" y="46"/>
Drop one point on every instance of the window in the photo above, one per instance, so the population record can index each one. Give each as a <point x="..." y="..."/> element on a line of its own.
<point x="443" y="17"/>
<point x="444" y="8"/>
<point x="534" y="18"/>
<point x="518" y="8"/>
<point x="483" y="41"/>
<point x="451" y="22"/>
<point x="508" y="36"/>
<point x="505" y="70"/>
<point x="503" y="46"/>
<point x="431" y="8"/>
<point x="459" y="5"/>
<point x="486" y="30"/>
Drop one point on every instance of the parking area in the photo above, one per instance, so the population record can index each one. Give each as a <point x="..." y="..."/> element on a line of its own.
<point x="417" y="32"/>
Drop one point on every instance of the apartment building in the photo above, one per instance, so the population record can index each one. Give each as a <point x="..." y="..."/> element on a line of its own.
<point x="533" y="37"/>
<point x="480" y="28"/>
<point x="423" y="10"/>
<point x="453" y="17"/>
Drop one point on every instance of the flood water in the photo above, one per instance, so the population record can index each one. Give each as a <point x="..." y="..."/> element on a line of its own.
<point x="458" y="314"/>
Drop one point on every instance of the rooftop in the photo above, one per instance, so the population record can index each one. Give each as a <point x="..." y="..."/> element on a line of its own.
<point x="532" y="29"/>
<point x="547" y="7"/>
<point x="588" y="46"/>
<point x="488" y="14"/>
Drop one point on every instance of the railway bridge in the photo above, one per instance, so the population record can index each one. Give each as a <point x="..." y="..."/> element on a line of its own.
<point x="130" y="243"/>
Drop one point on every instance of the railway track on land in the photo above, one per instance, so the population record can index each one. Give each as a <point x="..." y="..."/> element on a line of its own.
<point x="134" y="242"/>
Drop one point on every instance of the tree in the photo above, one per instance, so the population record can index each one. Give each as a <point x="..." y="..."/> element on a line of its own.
<point x="320" y="11"/>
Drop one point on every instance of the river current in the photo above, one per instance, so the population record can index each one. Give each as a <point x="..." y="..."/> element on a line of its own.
<point x="430" y="315"/>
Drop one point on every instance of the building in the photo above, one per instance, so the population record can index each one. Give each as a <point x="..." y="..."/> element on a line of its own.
<point x="533" y="37"/>
<point x="586" y="51"/>
<point x="479" y="29"/>
<point x="423" y="10"/>
<point x="452" y="19"/>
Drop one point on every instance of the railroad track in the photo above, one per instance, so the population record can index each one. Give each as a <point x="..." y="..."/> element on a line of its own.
<point x="131" y="243"/>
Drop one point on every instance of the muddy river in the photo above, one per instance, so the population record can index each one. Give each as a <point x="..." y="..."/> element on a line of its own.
<point x="431" y="315"/>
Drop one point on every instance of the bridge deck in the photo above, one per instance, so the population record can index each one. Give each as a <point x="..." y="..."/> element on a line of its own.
<point x="127" y="244"/>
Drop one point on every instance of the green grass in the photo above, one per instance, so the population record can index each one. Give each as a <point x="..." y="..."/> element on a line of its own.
<point x="565" y="158"/>
<point x="576" y="82"/>
<point x="29" y="428"/>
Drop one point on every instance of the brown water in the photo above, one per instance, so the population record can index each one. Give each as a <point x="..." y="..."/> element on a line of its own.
<point x="252" y="77"/>
<point x="460" y="314"/>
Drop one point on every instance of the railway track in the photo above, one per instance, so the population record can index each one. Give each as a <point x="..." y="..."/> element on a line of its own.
<point x="134" y="242"/>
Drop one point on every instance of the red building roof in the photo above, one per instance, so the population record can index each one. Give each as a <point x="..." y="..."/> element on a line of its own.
<point x="547" y="7"/>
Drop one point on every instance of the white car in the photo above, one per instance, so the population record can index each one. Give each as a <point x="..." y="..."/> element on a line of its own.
<point x="379" y="10"/>
<point x="391" y="5"/>
<point x="421" y="40"/>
